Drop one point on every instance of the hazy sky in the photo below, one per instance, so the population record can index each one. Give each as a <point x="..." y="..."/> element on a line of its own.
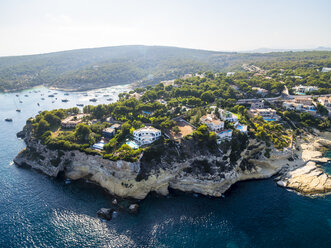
<point x="39" y="26"/>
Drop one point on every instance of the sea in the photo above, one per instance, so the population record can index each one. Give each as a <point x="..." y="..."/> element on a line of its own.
<point x="40" y="211"/>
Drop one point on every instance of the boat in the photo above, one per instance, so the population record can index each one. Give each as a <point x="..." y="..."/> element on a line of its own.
<point x="18" y="110"/>
<point x="106" y="95"/>
<point x="109" y="99"/>
<point x="21" y="102"/>
<point x="39" y="111"/>
<point x="85" y="94"/>
<point x="80" y="104"/>
<point x="17" y="95"/>
<point x="66" y="94"/>
<point x="26" y="95"/>
<point x="53" y="101"/>
<point x="93" y="100"/>
<point x="38" y="104"/>
<point x="9" y="119"/>
<point x="65" y="100"/>
<point x="42" y="98"/>
<point x="50" y="95"/>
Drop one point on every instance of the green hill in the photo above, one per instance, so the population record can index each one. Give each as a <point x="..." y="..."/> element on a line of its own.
<point x="102" y="67"/>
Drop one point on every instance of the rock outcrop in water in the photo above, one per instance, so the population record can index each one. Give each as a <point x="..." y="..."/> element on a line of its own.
<point x="184" y="167"/>
<point x="306" y="176"/>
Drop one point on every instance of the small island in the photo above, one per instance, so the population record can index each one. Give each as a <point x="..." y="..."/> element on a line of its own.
<point x="201" y="133"/>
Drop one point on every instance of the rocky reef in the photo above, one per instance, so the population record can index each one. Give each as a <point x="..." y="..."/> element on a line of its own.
<point x="304" y="175"/>
<point x="185" y="166"/>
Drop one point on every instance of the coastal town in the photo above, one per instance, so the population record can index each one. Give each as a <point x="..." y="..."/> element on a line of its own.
<point x="221" y="121"/>
<point x="201" y="129"/>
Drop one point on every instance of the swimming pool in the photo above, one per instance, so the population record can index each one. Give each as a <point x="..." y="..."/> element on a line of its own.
<point x="267" y="119"/>
<point x="241" y="128"/>
<point x="132" y="144"/>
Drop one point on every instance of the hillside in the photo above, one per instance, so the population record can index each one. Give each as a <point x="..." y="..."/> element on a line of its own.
<point x="102" y="67"/>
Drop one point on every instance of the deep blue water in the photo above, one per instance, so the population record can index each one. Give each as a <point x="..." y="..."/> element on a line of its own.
<point x="39" y="211"/>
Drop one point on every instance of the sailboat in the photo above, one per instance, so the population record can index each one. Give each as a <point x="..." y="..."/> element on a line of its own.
<point x="17" y="109"/>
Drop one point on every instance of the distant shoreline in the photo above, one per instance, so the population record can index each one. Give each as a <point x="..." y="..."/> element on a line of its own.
<point x="130" y="85"/>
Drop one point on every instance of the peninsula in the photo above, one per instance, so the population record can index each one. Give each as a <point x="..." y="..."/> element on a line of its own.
<point x="201" y="133"/>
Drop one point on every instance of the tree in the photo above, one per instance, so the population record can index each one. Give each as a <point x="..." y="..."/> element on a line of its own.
<point x="176" y="129"/>
<point x="42" y="127"/>
<point x="52" y="119"/>
<point x="207" y="96"/>
<point x="82" y="132"/>
<point x="322" y="109"/>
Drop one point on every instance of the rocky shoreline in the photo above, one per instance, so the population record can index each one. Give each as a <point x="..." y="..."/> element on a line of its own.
<point x="306" y="176"/>
<point x="123" y="179"/>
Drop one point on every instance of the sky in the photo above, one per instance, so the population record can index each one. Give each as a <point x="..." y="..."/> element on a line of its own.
<point x="40" y="26"/>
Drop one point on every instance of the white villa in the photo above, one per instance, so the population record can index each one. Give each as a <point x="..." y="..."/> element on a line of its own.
<point x="268" y="114"/>
<point x="292" y="105"/>
<point x="326" y="69"/>
<point x="302" y="90"/>
<point x="228" y="116"/>
<point x="146" y="135"/>
<point x="212" y="122"/>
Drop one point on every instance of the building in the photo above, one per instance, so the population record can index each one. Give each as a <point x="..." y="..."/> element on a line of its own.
<point x="268" y="114"/>
<point x="146" y="135"/>
<point x="257" y="104"/>
<point x="292" y="105"/>
<point x="302" y="90"/>
<point x="136" y="95"/>
<point x="326" y="69"/>
<point x="298" y="77"/>
<point x="325" y="101"/>
<point x="99" y="145"/>
<point x="230" y="73"/>
<point x="212" y="122"/>
<point x="187" y="76"/>
<point x="109" y="132"/>
<point x="304" y="100"/>
<point x="260" y="91"/>
<point x="72" y="121"/>
<point x="224" y="135"/>
<point x="228" y="116"/>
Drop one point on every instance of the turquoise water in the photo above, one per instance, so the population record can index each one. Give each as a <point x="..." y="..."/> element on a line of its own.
<point x="39" y="211"/>
<point x="266" y="119"/>
<point x="327" y="166"/>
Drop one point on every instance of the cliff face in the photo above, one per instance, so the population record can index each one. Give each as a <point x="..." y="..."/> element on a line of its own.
<point x="200" y="172"/>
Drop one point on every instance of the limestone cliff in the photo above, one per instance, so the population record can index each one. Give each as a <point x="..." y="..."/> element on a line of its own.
<point x="190" y="168"/>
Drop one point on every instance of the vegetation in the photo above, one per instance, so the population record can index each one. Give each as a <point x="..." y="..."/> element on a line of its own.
<point x="190" y="99"/>
<point x="148" y="65"/>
